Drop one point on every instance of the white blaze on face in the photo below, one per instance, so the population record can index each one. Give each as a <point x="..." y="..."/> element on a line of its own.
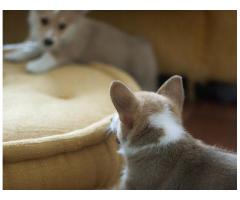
<point x="173" y="131"/>
<point x="49" y="34"/>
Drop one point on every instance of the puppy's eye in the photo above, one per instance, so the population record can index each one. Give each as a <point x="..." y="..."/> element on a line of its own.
<point x="62" y="26"/>
<point x="45" y="21"/>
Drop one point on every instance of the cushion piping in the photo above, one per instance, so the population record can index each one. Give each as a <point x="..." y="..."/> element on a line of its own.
<point x="19" y="150"/>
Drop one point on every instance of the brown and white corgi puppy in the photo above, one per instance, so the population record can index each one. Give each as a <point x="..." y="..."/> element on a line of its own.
<point x="158" y="152"/>
<point x="60" y="37"/>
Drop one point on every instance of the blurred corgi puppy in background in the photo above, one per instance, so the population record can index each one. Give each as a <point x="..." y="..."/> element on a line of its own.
<point x="60" y="37"/>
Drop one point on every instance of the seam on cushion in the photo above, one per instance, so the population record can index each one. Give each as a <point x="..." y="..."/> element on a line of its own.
<point x="64" y="152"/>
<point x="110" y="175"/>
<point x="104" y="183"/>
<point x="41" y="131"/>
<point x="97" y="134"/>
<point x="95" y="171"/>
<point x="113" y="176"/>
<point x="49" y="156"/>
<point x="107" y="177"/>
<point x="118" y="167"/>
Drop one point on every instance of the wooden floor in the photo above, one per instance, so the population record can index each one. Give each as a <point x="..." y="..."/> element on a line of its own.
<point x="213" y="123"/>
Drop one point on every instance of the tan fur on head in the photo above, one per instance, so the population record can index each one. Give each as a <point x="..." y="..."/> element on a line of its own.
<point x="135" y="110"/>
<point x="129" y="104"/>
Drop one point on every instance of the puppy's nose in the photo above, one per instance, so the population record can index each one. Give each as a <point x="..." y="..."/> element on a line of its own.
<point x="48" y="42"/>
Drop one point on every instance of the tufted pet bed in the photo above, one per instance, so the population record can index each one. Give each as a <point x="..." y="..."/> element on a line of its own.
<point x="55" y="128"/>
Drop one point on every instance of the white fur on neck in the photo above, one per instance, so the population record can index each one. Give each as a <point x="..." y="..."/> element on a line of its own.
<point x="128" y="150"/>
<point x="115" y="124"/>
<point x="173" y="131"/>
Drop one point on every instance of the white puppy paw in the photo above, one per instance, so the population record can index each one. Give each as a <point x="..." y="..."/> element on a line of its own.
<point x="14" y="56"/>
<point x="22" y="51"/>
<point x="43" y="64"/>
<point x="35" y="67"/>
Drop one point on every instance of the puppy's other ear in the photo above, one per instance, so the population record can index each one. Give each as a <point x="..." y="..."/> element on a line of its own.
<point x="173" y="89"/>
<point x="124" y="101"/>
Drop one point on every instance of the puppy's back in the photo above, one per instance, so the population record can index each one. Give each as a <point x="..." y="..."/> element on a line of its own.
<point x="204" y="167"/>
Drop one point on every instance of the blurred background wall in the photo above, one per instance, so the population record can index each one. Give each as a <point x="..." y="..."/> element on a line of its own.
<point x="198" y="44"/>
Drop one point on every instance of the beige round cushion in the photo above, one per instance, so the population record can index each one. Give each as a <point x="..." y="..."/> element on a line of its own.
<point x="55" y="127"/>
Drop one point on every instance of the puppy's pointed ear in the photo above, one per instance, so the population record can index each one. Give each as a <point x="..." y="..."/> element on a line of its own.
<point x="173" y="89"/>
<point x="124" y="101"/>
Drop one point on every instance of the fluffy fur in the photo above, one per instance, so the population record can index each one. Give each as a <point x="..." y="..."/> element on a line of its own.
<point x="70" y="36"/>
<point x="158" y="152"/>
